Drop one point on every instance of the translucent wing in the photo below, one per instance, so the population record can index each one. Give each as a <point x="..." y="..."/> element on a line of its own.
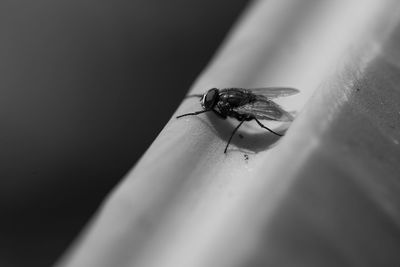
<point x="264" y="109"/>
<point x="274" y="92"/>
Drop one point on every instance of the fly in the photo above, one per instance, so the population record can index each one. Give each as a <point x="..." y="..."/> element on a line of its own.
<point x="245" y="105"/>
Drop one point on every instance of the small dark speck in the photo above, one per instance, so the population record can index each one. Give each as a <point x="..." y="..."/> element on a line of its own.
<point x="358" y="89"/>
<point x="246" y="157"/>
<point x="241" y="136"/>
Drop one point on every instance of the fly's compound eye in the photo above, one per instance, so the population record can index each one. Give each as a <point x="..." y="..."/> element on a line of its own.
<point x="210" y="98"/>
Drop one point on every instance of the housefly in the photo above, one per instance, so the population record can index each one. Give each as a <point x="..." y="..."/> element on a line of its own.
<point x="245" y="105"/>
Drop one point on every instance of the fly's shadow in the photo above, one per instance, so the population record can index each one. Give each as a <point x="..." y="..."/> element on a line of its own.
<point x="252" y="141"/>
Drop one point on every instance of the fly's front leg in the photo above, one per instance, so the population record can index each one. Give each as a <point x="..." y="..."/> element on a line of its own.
<point x="193" y="113"/>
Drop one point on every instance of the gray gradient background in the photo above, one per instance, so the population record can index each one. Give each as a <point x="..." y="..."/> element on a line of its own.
<point x="85" y="86"/>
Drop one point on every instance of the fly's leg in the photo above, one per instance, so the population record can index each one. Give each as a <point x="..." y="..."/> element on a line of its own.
<point x="233" y="133"/>
<point x="193" y="113"/>
<point x="219" y="114"/>
<point x="194" y="95"/>
<point x="265" y="127"/>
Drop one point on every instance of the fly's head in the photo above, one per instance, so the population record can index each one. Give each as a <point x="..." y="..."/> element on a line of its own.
<point x="210" y="99"/>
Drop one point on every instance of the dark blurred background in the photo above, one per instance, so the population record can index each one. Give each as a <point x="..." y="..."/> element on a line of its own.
<point x="85" y="86"/>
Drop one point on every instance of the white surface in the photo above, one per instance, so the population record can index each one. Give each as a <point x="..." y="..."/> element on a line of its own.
<point x="186" y="203"/>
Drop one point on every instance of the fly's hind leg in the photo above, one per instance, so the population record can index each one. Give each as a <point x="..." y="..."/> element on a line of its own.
<point x="265" y="127"/>
<point x="233" y="133"/>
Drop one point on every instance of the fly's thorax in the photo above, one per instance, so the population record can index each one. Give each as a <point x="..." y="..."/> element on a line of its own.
<point x="234" y="97"/>
<point x="210" y="98"/>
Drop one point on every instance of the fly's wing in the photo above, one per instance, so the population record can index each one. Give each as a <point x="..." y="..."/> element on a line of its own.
<point x="264" y="109"/>
<point x="274" y="92"/>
